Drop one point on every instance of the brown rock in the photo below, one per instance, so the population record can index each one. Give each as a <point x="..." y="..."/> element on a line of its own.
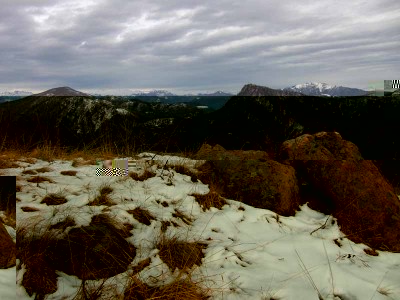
<point x="7" y="249"/>
<point x="250" y="177"/>
<point x="364" y="203"/>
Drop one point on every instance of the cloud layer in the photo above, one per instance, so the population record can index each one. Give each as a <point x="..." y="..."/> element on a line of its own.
<point x="196" y="45"/>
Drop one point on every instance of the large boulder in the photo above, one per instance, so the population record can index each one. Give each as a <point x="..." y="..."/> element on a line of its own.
<point x="363" y="201"/>
<point x="250" y="177"/>
<point x="7" y="249"/>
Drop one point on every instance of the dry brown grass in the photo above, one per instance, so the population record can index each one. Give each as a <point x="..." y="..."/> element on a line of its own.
<point x="51" y="152"/>
<point x="29" y="209"/>
<point x="212" y="199"/>
<point x="105" y="189"/>
<point x="93" y="290"/>
<point x="46" y="152"/>
<point x="39" y="179"/>
<point x="29" y="172"/>
<point x="146" y="175"/>
<point x="28" y="160"/>
<point x="180" y="215"/>
<point x="7" y="164"/>
<point x="177" y="253"/>
<point x="102" y="199"/>
<point x="141" y="265"/>
<point x="44" y="170"/>
<point x="68" y="222"/>
<point x="142" y="215"/>
<point x="78" y="162"/>
<point x="40" y="277"/>
<point x="179" y="289"/>
<point x="164" y="225"/>
<point x="54" y="199"/>
<point x="85" y="252"/>
<point x="182" y="169"/>
<point x="69" y="173"/>
<point x="371" y="252"/>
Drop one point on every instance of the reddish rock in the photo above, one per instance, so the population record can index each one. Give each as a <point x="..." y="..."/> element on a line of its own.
<point x="364" y="203"/>
<point x="250" y="177"/>
<point x="7" y="249"/>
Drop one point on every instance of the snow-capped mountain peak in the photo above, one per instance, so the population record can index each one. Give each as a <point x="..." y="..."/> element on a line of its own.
<point x="318" y="85"/>
<point x="158" y="93"/>
<point x="324" y="89"/>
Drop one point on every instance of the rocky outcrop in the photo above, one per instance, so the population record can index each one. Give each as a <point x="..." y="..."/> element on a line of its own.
<point x="7" y="249"/>
<point x="362" y="200"/>
<point x="250" y="177"/>
<point x="257" y="90"/>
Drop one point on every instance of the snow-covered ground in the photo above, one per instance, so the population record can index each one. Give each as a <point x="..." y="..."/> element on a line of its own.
<point x="7" y="276"/>
<point x="251" y="254"/>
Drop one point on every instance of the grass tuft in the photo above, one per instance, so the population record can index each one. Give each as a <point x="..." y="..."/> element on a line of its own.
<point x="44" y="170"/>
<point x="32" y="251"/>
<point x="141" y="265"/>
<point x="212" y="199"/>
<point x="142" y="215"/>
<point x="180" y="215"/>
<point x="54" y="199"/>
<point x="180" y="254"/>
<point x="93" y="252"/>
<point x="179" y="289"/>
<point x="29" y="172"/>
<point x="102" y="199"/>
<point x="164" y="225"/>
<point x="146" y="175"/>
<point x="39" y="179"/>
<point x="79" y="162"/>
<point x="105" y="189"/>
<point x="6" y="164"/>
<point x="68" y="173"/>
<point x="182" y="169"/>
<point x="371" y="252"/>
<point x="29" y="209"/>
<point x="68" y="222"/>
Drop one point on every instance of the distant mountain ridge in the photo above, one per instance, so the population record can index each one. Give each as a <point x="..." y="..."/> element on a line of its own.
<point x="216" y="94"/>
<point x="165" y="93"/>
<point x="323" y="89"/>
<point x="16" y="93"/>
<point x="62" y="91"/>
<point x="257" y="90"/>
<point x="158" y="93"/>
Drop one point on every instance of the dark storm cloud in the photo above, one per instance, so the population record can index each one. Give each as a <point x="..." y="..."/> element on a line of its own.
<point x="196" y="45"/>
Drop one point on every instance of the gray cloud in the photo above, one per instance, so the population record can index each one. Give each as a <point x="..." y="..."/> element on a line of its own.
<point x="196" y="45"/>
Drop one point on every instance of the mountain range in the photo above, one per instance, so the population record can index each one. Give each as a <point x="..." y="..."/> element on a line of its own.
<point x="16" y="93"/>
<point x="308" y="89"/>
<point x="323" y="89"/>
<point x="257" y="90"/>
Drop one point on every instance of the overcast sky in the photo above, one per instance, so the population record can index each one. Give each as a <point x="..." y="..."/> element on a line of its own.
<point x="192" y="46"/>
